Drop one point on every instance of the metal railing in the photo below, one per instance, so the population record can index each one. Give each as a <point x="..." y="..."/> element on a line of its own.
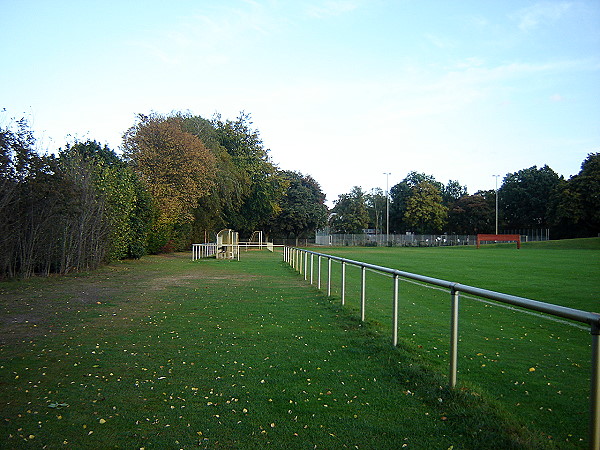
<point x="299" y="260"/>
<point x="207" y="250"/>
<point x="210" y="250"/>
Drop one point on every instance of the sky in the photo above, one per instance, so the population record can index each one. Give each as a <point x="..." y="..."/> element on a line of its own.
<point x="351" y="92"/>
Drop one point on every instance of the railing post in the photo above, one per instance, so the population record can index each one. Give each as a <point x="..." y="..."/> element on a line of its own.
<point x="305" y="264"/>
<point x="343" y="283"/>
<point x="362" y="293"/>
<point x="328" y="277"/>
<point x="595" y="390"/>
<point x="454" y="338"/>
<point x="395" y="313"/>
<point x="319" y="274"/>
<point x="311" y="268"/>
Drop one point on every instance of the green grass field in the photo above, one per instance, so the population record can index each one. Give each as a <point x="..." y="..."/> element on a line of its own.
<point x="169" y="353"/>
<point x="539" y="369"/>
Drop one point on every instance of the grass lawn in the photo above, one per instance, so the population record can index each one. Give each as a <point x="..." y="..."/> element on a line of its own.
<point x="169" y="353"/>
<point x="536" y="368"/>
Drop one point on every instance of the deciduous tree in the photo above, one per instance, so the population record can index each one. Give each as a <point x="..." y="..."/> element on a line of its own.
<point x="524" y="197"/>
<point x="399" y="196"/>
<point x="303" y="208"/>
<point x="262" y="187"/>
<point x="349" y="215"/>
<point x="376" y="203"/>
<point x="425" y="212"/>
<point x="472" y="214"/>
<point x="177" y="168"/>
<point x="574" y="207"/>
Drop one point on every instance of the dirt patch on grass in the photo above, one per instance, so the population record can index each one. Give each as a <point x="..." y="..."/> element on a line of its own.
<point x="39" y="306"/>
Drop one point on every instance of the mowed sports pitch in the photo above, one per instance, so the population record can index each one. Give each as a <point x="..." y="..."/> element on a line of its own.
<point x="169" y="353"/>
<point x="535" y="366"/>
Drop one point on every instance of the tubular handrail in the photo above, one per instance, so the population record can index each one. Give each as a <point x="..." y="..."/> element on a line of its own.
<point x="294" y="257"/>
<point x="591" y="318"/>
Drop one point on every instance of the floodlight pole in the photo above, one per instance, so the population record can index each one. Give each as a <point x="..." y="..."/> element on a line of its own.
<point x="387" y="204"/>
<point x="496" y="176"/>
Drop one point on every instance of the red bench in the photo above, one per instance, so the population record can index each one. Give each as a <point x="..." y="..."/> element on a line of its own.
<point x="499" y="238"/>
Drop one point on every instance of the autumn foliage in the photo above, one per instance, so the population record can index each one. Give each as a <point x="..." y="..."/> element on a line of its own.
<point x="176" y="166"/>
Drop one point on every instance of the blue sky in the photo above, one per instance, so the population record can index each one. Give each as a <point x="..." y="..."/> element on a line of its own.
<point x="343" y="90"/>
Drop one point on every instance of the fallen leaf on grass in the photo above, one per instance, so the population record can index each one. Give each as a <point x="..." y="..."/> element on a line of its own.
<point x="57" y="405"/>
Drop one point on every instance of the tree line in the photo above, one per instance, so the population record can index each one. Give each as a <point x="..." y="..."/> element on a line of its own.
<point x="179" y="179"/>
<point x="532" y="198"/>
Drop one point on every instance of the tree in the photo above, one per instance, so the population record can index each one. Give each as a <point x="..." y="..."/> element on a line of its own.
<point x="216" y="210"/>
<point x="376" y="203"/>
<point x="262" y="188"/>
<point x="524" y="197"/>
<point x="177" y="168"/>
<point x="452" y="192"/>
<point x="303" y="208"/>
<point x="176" y="165"/>
<point x="399" y="196"/>
<point x="473" y="214"/>
<point x="349" y="215"/>
<point x="574" y="208"/>
<point x="425" y="212"/>
<point x="29" y="204"/>
<point x="113" y="207"/>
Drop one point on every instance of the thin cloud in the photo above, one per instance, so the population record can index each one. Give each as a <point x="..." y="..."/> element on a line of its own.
<point x="331" y="8"/>
<point x="539" y="14"/>
<point x="209" y="34"/>
<point x="443" y="43"/>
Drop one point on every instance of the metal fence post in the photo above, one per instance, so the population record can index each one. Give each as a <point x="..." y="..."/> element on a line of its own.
<point x="362" y="293"/>
<point x="454" y="338"/>
<point x="395" y="313"/>
<point x="311" y="268"/>
<point x="343" y="283"/>
<point x="595" y="390"/>
<point x="319" y="274"/>
<point x="328" y="277"/>
<point x="305" y="264"/>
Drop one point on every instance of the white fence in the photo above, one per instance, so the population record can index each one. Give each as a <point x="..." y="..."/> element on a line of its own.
<point x="204" y="250"/>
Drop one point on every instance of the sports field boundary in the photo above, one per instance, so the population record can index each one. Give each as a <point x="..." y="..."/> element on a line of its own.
<point x="299" y="260"/>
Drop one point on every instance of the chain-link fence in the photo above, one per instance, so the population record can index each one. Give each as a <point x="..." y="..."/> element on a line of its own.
<point x="394" y="240"/>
